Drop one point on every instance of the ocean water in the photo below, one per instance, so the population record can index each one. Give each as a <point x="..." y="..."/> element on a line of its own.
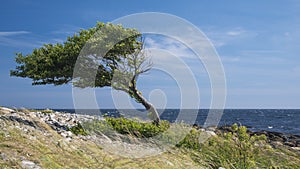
<point x="277" y="120"/>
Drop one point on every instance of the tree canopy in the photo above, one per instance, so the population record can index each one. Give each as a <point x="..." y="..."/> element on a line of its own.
<point x="109" y="55"/>
<point x="54" y="63"/>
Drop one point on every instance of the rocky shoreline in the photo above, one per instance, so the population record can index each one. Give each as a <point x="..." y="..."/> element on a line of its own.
<point x="274" y="138"/>
<point x="61" y="122"/>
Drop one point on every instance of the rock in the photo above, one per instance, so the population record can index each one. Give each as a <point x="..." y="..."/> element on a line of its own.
<point x="63" y="134"/>
<point x="277" y="143"/>
<point x="29" y="165"/>
<point x="202" y="129"/>
<point x="3" y="156"/>
<point x="277" y="139"/>
<point x="290" y="144"/>
<point x="210" y="128"/>
<point x="69" y="134"/>
<point x="211" y="133"/>
<point x="296" y="148"/>
<point x="6" y="110"/>
<point x="19" y="120"/>
<point x="169" y="163"/>
<point x="298" y="143"/>
<point x="226" y="129"/>
<point x="68" y="139"/>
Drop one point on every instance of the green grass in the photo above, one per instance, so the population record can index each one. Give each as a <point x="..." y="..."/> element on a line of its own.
<point x="231" y="150"/>
<point x="239" y="150"/>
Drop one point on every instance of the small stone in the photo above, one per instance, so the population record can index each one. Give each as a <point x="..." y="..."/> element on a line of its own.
<point x="69" y="134"/>
<point x="296" y="148"/>
<point x="63" y="134"/>
<point x="169" y="163"/>
<point x="29" y="165"/>
<point x="3" y="156"/>
<point x="68" y="139"/>
<point x="212" y="133"/>
<point x="277" y="143"/>
<point x="291" y="144"/>
<point x="202" y="129"/>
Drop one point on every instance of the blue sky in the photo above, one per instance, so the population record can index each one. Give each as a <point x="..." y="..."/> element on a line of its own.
<point x="257" y="41"/>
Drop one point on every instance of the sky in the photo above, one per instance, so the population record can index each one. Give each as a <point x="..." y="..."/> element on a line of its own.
<point x="257" y="42"/>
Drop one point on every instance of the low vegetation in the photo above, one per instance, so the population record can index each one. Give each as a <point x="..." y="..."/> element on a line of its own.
<point x="234" y="149"/>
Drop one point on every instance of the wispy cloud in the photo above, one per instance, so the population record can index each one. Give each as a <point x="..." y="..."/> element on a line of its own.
<point x="172" y="46"/>
<point x="13" y="33"/>
<point x="66" y="30"/>
<point x="222" y="37"/>
<point x="29" y="40"/>
<point x="16" y="39"/>
<point x="265" y="57"/>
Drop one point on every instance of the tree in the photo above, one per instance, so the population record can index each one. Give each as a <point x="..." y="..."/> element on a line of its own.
<point x="126" y="74"/>
<point x="113" y="52"/>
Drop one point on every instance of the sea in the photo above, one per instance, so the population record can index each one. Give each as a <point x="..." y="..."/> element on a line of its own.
<point x="275" y="120"/>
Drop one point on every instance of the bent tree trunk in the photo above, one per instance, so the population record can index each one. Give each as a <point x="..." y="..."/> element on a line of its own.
<point x="148" y="106"/>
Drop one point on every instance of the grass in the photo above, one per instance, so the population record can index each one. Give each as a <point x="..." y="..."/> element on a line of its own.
<point x="239" y="150"/>
<point x="231" y="150"/>
<point x="236" y="150"/>
<point x="50" y="150"/>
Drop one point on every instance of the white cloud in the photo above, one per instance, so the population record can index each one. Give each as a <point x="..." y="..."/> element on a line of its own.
<point x="236" y="32"/>
<point x="222" y="37"/>
<point x="12" y="39"/>
<point x="29" y="40"/>
<point x="13" y="42"/>
<point x="67" y="30"/>
<point x="170" y="45"/>
<point x="13" y="33"/>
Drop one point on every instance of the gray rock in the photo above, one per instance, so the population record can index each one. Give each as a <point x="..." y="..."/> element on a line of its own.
<point x="29" y="165"/>
<point x="3" y="156"/>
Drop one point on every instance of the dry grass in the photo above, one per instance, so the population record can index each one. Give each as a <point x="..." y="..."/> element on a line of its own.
<point x="48" y="149"/>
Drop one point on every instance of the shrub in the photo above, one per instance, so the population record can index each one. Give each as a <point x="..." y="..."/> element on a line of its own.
<point x="191" y="141"/>
<point x="235" y="149"/>
<point x="78" y="130"/>
<point x="47" y="111"/>
<point x="136" y="128"/>
<point x="124" y="126"/>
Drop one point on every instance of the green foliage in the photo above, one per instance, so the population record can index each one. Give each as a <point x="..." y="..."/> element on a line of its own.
<point x="233" y="150"/>
<point x="165" y="132"/>
<point x="78" y="130"/>
<point x="136" y="128"/>
<point x="191" y="141"/>
<point x="105" y="55"/>
<point x="97" y="127"/>
<point x="226" y="150"/>
<point x="47" y="111"/>
<point x="125" y="126"/>
<point x="54" y="63"/>
<point x="237" y="150"/>
<point x="2" y="136"/>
